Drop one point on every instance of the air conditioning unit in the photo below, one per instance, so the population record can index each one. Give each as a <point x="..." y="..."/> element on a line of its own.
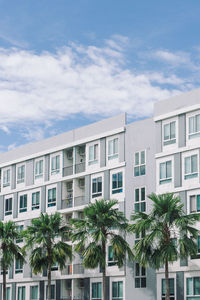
<point x="82" y="151"/>
<point x="70" y="154"/>
<point x="69" y="186"/>
<point x="81" y="283"/>
<point x="82" y="183"/>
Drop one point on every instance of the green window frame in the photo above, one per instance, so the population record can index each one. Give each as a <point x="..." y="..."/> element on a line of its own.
<point x="21" y="293"/>
<point x="21" y="174"/>
<point x="55" y="164"/>
<point x="166" y="172"/>
<point x="140" y="197"/>
<point x="53" y="291"/>
<point x="52" y="197"/>
<point x="39" y="168"/>
<point x="35" y="200"/>
<point x="140" y="163"/>
<point x="117" y="183"/>
<point x="117" y="290"/>
<point x="140" y="276"/>
<point x="23" y="203"/>
<point x="113" y="149"/>
<point x="6" y="178"/>
<point x="97" y="187"/>
<point x="171" y="289"/>
<point x="34" y="292"/>
<point x="193" y="288"/>
<point x="18" y="266"/>
<point x="8" y="206"/>
<point x="96" y="290"/>
<point x="191" y="167"/>
<point x="8" y="293"/>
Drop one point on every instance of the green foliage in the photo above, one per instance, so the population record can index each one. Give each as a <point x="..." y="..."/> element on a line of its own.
<point x="45" y="237"/>
<point x="169" y="232"/>
<point x="103" y="223"/>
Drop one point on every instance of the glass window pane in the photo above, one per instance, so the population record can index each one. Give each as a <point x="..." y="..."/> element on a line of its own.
<point x="110" y="147"/>
<point x="162" y="171"/>
<point x="198" y="123"/>
<point x="114" y="181"/>
<point x="136" y="158"/>
<point x="142" y="194"/>
<point x="196" y="285"/>
<point x="91" y="153"/>
<point x="167" y="132"/>
<point x="94" y="290"/>
<point x="172" y="130"/>
<point x="120" y="289"/>
<point x="142" y="157"/>
<point x="198" y="202"/>
<point x="120" y="179"/>
<point x="189" y="286"/>
<point x="192" y="203"/>
<point x="193" y="163"/>
<point x="137" y="195"/>
<point x="187" y="165"/>
<point x="192" y="125"/>
<point x="115" y="146"/>
<point x="168" y="169"/>
<point x="137" y="269"/>
<point x="136" y="171"/>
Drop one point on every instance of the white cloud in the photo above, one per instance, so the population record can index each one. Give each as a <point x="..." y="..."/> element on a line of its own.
<point x="5" y="129"/>
<point x="46" y="87"/>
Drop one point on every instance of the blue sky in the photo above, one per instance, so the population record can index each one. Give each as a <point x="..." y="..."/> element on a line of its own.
<point x="68" y="63"/>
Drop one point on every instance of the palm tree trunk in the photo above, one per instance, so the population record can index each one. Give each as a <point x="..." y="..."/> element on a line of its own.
<point x="167" y="295"/>
<point x="49" y="282"/>
<point x="4" y="283"/>
<point x="104" y="271"/>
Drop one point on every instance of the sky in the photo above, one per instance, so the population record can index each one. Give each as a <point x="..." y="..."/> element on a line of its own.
<point x="68" y="63"/>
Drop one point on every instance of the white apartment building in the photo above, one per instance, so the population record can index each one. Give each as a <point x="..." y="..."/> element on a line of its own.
<point x="112" y="160"/>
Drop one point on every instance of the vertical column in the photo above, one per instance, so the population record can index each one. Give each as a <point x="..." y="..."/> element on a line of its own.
<point x="14" y="291"/>
<point x="2" y="208"/>
<point x="59" y="195"/>
<point x="29" y="172"/>
<point x="102" y="152"/>
<point x="47" y="167"/>
<point x="179" y="285"/>
<point x="15" y="205"/>
<point x="182" y="130"/>
<point x="107" y="185"/>
<point x="122" y="147"/>
<point x="107" y="287"/>
<point x="158" y="132"/>
<point x="87" y="188"/>
<point x="13" y="177"/>
<point x="177" y="170"/>
<point x="1" y="296"/>
<point x="43" y="199"/>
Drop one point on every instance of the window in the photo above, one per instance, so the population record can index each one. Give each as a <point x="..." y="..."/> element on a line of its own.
<point x="139" y="236"/>
<point x="117" y="183"/>
<point x="8" y="293"/>
<point x="52" y="197"/>
<point x="193" y="288"/>
<point x="93" y="154"/>
<point x="111" y="261"/>
<point x="198" y="249"/>
<point x="165" y="172"/>
<point x="96" y="290"/>
<point x="140" y="276"/>
<point x="117" y="290"/>
<point x="35" y="200"/>
<point x="194" y="126"/>
<point x="6" y="178"/>
<point x="140" y="161"/>
<point x="23" y="203"/>
<point x="54" y="267"/>
<point x="55" y="164"/>
<point x="140" y="204"/>
<point x="171" y="289"/>
<point x="191" y="169"/>
<point x="113" y="149"/>
<point x="194" y="203"/>
<point x="169" y="133"/>
<point x="20" y="228"/>
<point x="21" y="293"/>
<point x="34" y="292"/>
<point x="96" y="187"/>
<point x="20" y="174"/>
<point x="18" y="266"/>
<point x="39" y="168"/>
<point x="52" y="292"/>
<point x="8" y="206"/>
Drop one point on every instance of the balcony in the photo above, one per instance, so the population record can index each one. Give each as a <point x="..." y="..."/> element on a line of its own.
<point x="67" y="171"/>
<point x="67" y="203"/>
<point x="80" y="167"/>
<point x="78" y="201"/>
<point x="67" y="270"/>
<point x="78" y="269"/>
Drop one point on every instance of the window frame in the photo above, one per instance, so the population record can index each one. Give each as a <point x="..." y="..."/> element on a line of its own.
<point x="139" y="166"/>
<point x="23" y="294"/>
<point x="171" y="139"/>
<point x="9" y="211"/>
<point x="195" y="133"/>
<point x="111" y="262"/>
<point x="24" y="200"/>
<point x="193" y="294"/>
<point x="55" y="158"/>
<point x="93" y="154"/>
<point x="118" y="188"/>
<point x="31" y="289"/>
<point x="21" y="174"/>
<point x="196" y="205"/>
<point x="190" y="174"/>
<point x="51" y="202"/>
<point x="141" y="204"/>
<point x="96" y="296"/>
<point x="6" y="177"/>
<point x="39" y="168"/>
<point x="19" y="266"/>
<point x="118" y="296"/>
<point x="172" y="296"/>
<point x="98" y="183"/>
<point x="20" y="228"/>
<point x="166" y="179"/>
<point x="35" y="195"/>
<point x="140" y="276"/>
<point x="114" y="147"/>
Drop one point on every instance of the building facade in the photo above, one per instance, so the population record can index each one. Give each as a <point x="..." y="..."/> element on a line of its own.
<point x="112" y="160"/>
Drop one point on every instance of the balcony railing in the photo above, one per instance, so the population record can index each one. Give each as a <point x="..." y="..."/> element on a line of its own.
<point x="67" y="203"/>
<point x="78" y="201"/>
<point x="68" y="170"/>
<point x="67" y="270"/>
<point x="78" y="269"/>
<point x="80" y="167"/>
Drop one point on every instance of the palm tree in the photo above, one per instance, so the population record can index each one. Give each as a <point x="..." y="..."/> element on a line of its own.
<point x="98" y="229"/>
<point x="9" y="250"/>
<point x="45" y="236"/>
<point x="169" y="234"/>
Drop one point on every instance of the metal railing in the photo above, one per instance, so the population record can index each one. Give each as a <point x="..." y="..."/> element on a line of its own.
<point x="67" y="203"/>
<point x="67" y="270"/>
<point x="80" y="167"/>
<point x="78" y="269"/>
<point x="78" y="201"/>
<point x="68" y="170"/>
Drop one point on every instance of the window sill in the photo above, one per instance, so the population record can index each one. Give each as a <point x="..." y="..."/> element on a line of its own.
<point x="169" y="142"/>
<point x="113" y="156"/>
<point x="163" y="181"/>
<point x="189" y="176"/>
<point x="92" y="162"/>
<point x="117" y="191"/>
